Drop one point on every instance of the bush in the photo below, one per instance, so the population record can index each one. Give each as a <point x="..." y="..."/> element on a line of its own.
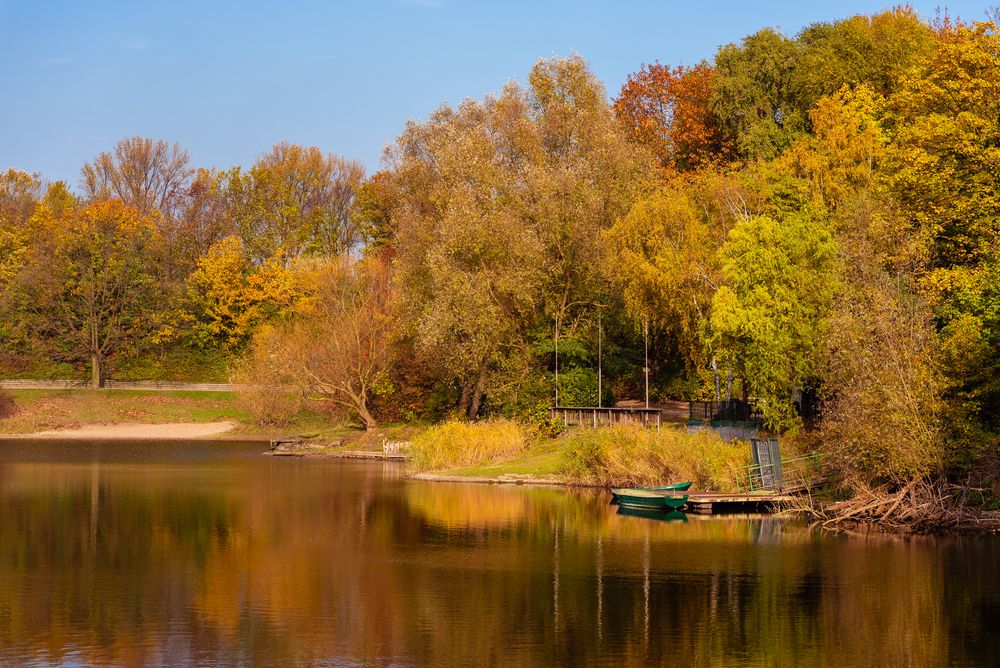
<point x="454" y="444"/>
<point x="268" y="390"/>
<point x="7" y="406"/>
<point x="630" y="455"/>
<point x="882" y="387"/>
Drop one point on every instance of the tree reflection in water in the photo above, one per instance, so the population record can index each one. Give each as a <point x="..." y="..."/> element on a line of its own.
<point x="166" y="555"/>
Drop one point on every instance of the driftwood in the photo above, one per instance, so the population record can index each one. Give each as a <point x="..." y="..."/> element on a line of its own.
<point x="917" y="506"/>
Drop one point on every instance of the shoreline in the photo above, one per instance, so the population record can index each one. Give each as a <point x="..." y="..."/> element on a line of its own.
<point x="226" y="430"/>
<point x="985" y="522"/>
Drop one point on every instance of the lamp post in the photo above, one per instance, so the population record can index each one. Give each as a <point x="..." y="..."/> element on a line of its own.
<point x="645" y="345"/>
<point x="600" y="342"/>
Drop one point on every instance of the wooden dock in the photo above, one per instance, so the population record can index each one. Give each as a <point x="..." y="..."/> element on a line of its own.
<point x="369" y="454"/>
<point x="709" y="503"/>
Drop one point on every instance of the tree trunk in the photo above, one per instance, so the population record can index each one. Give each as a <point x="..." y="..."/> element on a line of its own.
<point x="366" y="417"/>
<point x="95" y="371"/>
<point x="477" y="394"/>
<point x="715" y="377"/>
<point x="463" y="402"/>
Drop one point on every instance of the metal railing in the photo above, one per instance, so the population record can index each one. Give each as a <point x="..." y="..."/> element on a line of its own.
<point x="797" y="473"/>
<point x="733" y="410"/>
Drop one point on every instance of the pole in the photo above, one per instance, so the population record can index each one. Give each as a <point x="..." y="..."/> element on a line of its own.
<point x="557" y="360"/>
<point x="645" y="345"/>
<point x="599" y="344"/>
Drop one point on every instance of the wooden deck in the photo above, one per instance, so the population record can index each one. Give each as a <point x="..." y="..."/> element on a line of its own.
<point x="710" y="502"/>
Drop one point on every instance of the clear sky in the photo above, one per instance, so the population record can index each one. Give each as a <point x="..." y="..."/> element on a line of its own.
<point x="229" y="78"/>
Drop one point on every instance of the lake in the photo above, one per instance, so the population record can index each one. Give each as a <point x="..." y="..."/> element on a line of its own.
<point x="211" y="554"/>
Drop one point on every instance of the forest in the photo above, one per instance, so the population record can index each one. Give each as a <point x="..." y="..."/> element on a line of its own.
<point x="808" y="215"/>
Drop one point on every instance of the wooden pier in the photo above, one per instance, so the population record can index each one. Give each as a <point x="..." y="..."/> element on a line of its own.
<point x="710" y="503"/>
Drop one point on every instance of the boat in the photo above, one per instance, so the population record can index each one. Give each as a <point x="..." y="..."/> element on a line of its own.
<point x="676" y="487"/>
<point x="644" y="498"/>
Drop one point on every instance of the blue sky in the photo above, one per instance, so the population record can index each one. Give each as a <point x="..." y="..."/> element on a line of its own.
<point x="228" y="79"/>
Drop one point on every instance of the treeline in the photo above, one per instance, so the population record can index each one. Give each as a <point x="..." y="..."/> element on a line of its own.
<point x="814" y="215"/>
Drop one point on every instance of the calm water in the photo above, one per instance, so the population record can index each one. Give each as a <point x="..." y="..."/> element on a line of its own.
<point x="210" y="554"/>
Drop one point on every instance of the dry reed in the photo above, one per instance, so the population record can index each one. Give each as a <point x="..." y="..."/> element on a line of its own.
<point x="630" y="455"/>
<point x="454" y="444"/>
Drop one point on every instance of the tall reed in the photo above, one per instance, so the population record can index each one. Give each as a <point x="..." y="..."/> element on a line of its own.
<point x="454" y="444"/>
<point x="630" y="455"/>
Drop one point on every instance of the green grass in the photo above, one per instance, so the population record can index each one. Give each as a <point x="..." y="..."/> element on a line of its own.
<point x="543" y="460"/>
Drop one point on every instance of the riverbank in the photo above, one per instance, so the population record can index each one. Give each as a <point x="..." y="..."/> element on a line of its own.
<point x="147" y="414"/>
<point x="139" y="431"/>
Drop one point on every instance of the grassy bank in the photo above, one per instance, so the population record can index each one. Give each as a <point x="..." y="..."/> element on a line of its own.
<point x="41" y="410"/>
<point x="613" y="456"/>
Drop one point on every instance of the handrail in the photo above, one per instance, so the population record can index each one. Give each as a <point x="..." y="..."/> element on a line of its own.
<point x="750" y="477"/>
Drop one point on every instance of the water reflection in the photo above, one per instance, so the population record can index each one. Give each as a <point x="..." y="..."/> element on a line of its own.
<point x="201" y="554"/>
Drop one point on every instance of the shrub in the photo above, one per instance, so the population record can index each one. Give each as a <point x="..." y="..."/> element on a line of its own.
<point x="630" y="455"/>
<point x="454" y="444"/>
<point x="7" y="406"/>
<point x="268" y="390"/>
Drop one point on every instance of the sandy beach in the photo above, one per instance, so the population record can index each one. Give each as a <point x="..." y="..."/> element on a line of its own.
<point x="170" y="430"/>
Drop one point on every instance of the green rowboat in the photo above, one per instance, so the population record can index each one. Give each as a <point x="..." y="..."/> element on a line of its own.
<point x="644" y="498"/>
<point x="677" y="487"/>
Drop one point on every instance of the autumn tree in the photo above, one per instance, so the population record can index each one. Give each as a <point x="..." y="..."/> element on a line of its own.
<point x="337" y="347"/>
<point x="668" y="110"/>
<point x="942" y="168"/>
<point x="882" y="384"/>
<point x="498" y="220"/>
<point x="228" y="297"/>
<point x="19" y="195"/>
<point x="145" y="174"/>
<point x="874" y="51"/>
<point x="294" y="201"/>
<point x="665" y="258"/>
<point x="203" y="219"/>
<point x="92" y="282"/>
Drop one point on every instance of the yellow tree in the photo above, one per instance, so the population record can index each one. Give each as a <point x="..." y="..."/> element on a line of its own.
<point x="229" y="297"/>
<point x="944" y="170"/>
<point x="665" y="257"/>
<point x="93" y="281"/>
<point x="498" y="208"/>
<point x="339" y="343"/>
<point x="294" y="200"/>
<point x="19" y="195"/>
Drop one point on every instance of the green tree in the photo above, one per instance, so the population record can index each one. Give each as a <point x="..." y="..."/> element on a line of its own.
<point x="754" y="97"/>
<point x="91" y="280"/>
<point x="770" y="318"/>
